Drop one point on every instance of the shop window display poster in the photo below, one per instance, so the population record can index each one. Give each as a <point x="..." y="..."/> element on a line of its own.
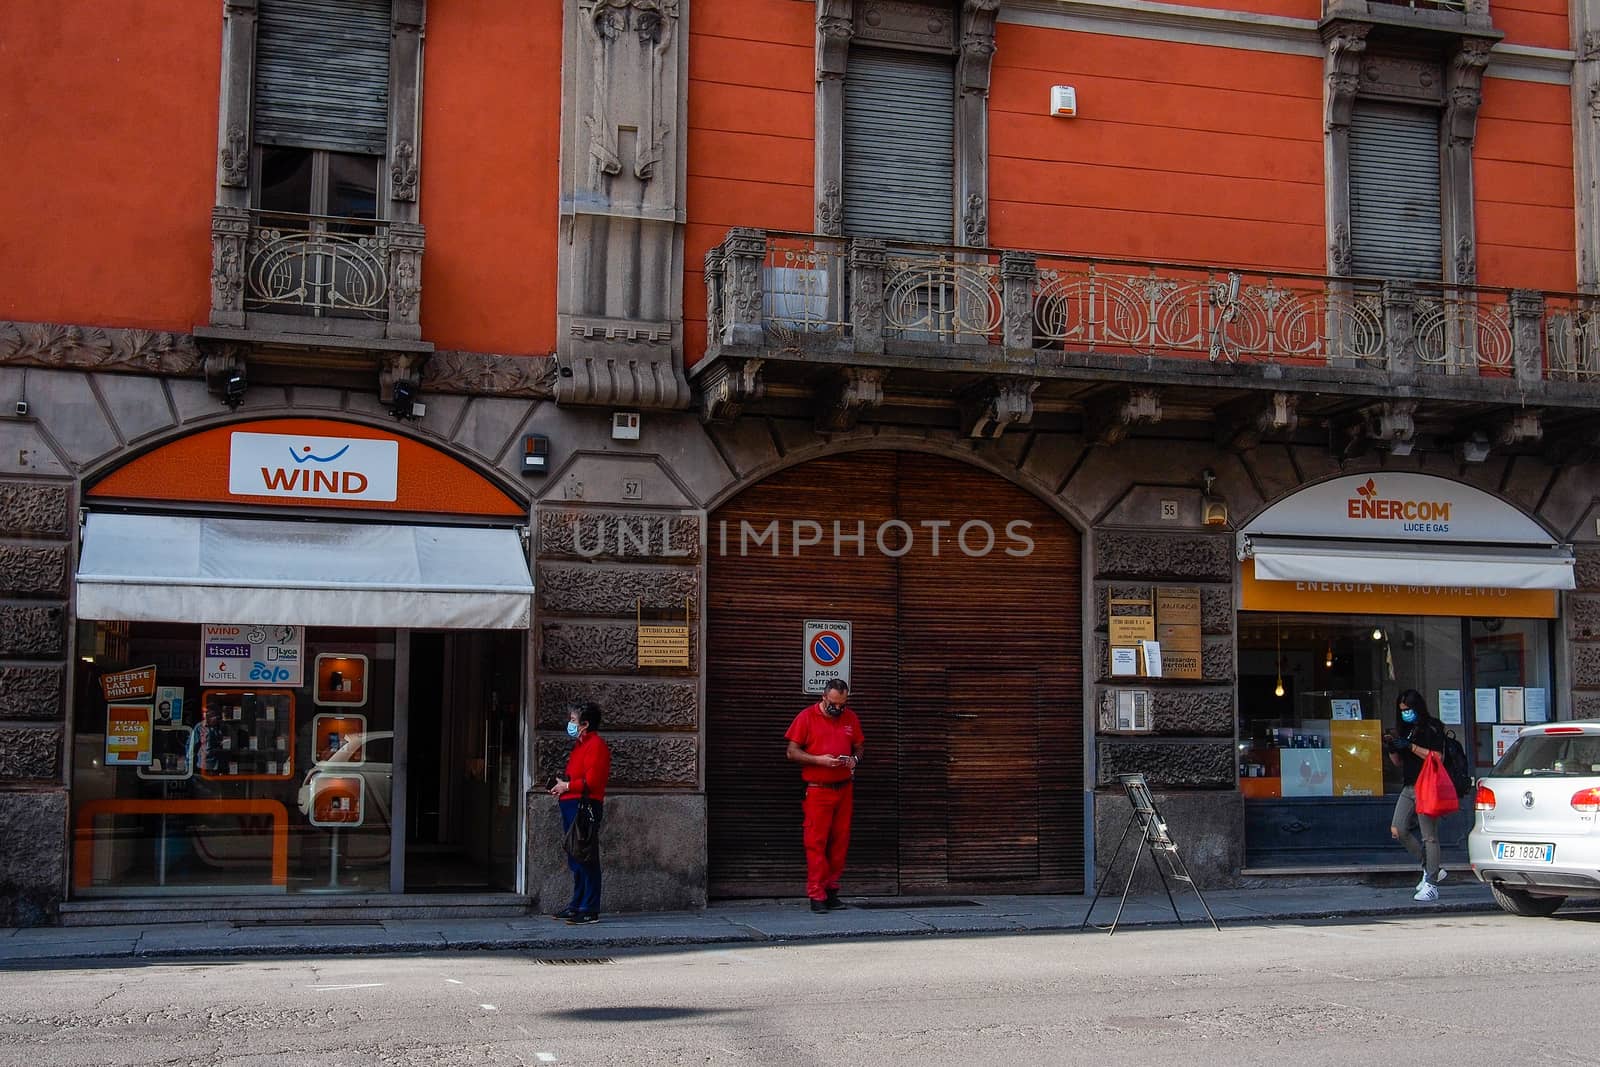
<point x="129" y="733"/>
<point x="1535" y="706"/>
<point x="1357" y="748"/>
<point x="1484" y="708"/>
<point x="1306" y="772"/>
<point x="1504" y="738"/>
<point x="1511" y="704"/>
<point x="1345" y="709"/>
<point x="1450" y="707"/>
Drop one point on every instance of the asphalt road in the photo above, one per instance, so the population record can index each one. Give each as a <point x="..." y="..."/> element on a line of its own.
<point x="1402" y="992"/>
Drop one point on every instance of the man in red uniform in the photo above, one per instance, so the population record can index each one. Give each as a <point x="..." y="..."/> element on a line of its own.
<point x="825" y="739"/>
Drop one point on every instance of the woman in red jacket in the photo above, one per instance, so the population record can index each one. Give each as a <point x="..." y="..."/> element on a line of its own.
<point x="588" y="770"/>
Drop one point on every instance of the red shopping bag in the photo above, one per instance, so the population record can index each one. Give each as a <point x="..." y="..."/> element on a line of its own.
<point x="1436" y="794"/>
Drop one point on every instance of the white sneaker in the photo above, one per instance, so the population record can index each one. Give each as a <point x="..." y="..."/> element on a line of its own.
<point x="1427" y="894"/>
<point x="1443" y="874"/>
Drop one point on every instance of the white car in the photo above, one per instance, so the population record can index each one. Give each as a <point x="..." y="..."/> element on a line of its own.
<point x="1536" y="838"/>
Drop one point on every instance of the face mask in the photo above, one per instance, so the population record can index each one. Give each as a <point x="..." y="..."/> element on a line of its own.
<point x="832" y="709"/>
<point x="572" y="729"/>
<point x="1408" y="715"/>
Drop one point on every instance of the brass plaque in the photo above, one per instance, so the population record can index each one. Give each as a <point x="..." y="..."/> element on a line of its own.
<point x="1184" y="638"/>
<point x="1180" y="663"/>
<point x="663" y="646"/>
<point x="1179" y="606"/>
<point x="1131" y="629"/>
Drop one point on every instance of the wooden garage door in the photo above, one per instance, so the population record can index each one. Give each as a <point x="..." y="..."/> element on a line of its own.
<point x="965" y="666"/>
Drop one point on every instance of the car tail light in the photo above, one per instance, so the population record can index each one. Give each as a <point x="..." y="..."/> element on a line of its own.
<point x="1587" y="800"/>
<point x="1484" y="801"/>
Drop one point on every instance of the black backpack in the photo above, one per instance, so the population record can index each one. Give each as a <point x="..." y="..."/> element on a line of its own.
<point x="1456" y="764"/>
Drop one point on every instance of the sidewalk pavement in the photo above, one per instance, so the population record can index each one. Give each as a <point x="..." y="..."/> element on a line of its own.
<point x="732" y="923"/>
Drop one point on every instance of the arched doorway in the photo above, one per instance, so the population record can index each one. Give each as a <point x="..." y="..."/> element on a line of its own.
<point x="966" y="671"/>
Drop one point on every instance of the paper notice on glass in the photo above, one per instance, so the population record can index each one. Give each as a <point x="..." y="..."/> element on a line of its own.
<point x="1152" y="658"/>
<point x="1345" y="709"/>
<point x="1535" y="706"/>
<point x="1484" y="708"/>
<point x="1504" y="738"/>
<point x="1450" y="707"/>
<point x="1124" y="662"/>
<point x="1511" y="704"/>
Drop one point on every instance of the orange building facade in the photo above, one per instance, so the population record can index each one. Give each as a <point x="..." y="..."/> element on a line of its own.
<point x="415" y="359"/>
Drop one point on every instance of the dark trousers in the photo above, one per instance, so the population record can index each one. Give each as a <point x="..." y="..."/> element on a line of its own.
<point x="585" y="876"/>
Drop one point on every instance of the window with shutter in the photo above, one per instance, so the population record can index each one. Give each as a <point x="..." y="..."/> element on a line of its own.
<point x="1395" y="227"/>
<point x="899" y="146"/>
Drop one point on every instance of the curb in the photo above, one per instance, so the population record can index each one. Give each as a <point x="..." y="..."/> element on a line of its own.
<point x="734" y="936"/>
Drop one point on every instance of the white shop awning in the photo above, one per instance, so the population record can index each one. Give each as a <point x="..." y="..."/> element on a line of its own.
<point x="174" y="568"/>
<point x="1295" y="559"/>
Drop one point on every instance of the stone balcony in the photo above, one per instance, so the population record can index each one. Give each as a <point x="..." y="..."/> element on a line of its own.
<point x="998" y="330"/>
<point x="338" y="297"/>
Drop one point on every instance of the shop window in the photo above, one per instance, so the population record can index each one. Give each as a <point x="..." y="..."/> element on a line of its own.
<point x="1317" y="693"/>
<point x="183" y="786"/>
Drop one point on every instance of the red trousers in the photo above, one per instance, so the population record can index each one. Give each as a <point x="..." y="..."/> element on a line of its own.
<point x="827" y="837"/>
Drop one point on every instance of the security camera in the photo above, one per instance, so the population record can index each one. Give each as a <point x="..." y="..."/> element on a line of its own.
<point x="233" y="391"/>
<point x="22" y="407"/>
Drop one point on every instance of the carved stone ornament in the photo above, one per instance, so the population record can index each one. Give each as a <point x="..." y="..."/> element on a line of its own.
<point x="906" y="22"/>
<point x="487" y="373"/>
<point x="1341" y="254"/>
<point x="830" y="209"/>
<point x="1466" y="262"/>
<point x="1393" y="425"/>
<point x="977" y="46"/>
<point x="234" y="158"/>
<point x="1108" y="424"/>
<point x="975" y="221"/>
<point x="403" y="172"/>
<point x="836" y="25"/>
<point x="645" y="27"/>
<point x="727" y="389"/>
<point x="1241" y="426"/>
<point x="47" y="344"/>
<point x="995" y="405"/>
<point x="1345" y="42"/>
<point x="853" y="392"/>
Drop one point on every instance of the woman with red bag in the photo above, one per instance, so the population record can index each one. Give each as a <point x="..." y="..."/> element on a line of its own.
<point x="1417" y="736"/>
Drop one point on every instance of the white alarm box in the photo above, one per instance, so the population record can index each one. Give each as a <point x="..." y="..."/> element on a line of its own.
<point x="1063" y="101"/>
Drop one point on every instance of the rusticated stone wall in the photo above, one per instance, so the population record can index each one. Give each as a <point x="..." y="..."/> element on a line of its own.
<point x="597" y="568"/>
<point x="1190" y="752"/>
<point x="35" y="569"/>
<point x="1583" y="634"/>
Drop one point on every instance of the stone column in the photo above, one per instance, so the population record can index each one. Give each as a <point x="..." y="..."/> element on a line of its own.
<point x="1345" y="42"/>
<point x="868" y="262"/>
<point x="1527" y="335"/>
<point x="35" y="570"/>
<point x="1399" y="329"/>
<point x="744" y="255"/>
<point x="1463" y="97"/>
<point x="624" y="119"/>
<point x="597" y="567"/>
<point x="835" y="27"/>
<point x="1584" y="20"/>
<point x="406" y="242"/>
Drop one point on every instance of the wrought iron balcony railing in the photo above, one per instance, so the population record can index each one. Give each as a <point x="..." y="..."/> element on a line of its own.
<point x="319" y="266"/>
<point x="800" y="293"/>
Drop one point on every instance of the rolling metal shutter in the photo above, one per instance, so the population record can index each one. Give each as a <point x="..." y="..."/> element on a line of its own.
<point x="322" y="74"/>
<point x="966" y="671"/>
<point x="1394" y="191"/>
<point x="899" y="146"/>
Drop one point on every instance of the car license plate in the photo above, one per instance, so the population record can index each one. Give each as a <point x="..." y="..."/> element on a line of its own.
<point x="1513" y="850"/>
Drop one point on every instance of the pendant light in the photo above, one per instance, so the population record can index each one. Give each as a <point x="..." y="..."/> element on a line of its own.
<point x="1278" y="689"/>
<point x="1327" y="657"/>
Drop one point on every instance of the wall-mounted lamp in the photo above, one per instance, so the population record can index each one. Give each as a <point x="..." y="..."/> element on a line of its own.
<point x="535" y="454"/>
<point x="1213" y="509"/>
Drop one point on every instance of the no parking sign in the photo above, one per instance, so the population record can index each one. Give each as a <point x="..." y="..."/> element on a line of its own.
<point x="827" y="653"/>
